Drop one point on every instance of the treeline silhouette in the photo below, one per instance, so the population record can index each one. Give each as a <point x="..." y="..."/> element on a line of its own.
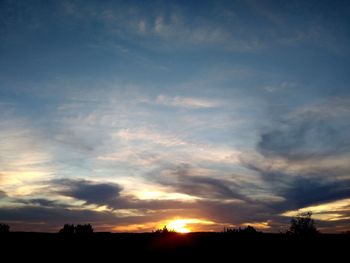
<point x="301" y="225"/>
<point x="249" y="230"/>
<point x="164" y="231"/>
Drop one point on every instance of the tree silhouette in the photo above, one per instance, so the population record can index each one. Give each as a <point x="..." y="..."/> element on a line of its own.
<point x="67" y="229"/>
<point x="249" y="230"/>
<point x="164" y="231"/>
<point x="4" y="228"/>
<point x="79" y="229"/>
<point x="303" y="224"/>
<point x="84" y="229"/>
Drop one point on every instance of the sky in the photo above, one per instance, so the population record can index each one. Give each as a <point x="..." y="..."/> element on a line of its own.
<point x="132" y="115"/>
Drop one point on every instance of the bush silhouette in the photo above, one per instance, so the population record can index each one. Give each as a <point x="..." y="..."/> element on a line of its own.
<point x="4" y="228"/>
<point x="303" y="225"/>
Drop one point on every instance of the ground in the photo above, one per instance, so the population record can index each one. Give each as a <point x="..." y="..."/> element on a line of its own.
<point x="174" y="246"/>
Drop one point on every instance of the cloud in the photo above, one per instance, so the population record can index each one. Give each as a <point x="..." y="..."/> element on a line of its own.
<point x="41" y="202"/>
<point x="330" y="217"/>
<point x="150" y="147"/>
<point x="308" y="142"/>
<point x="90" y="192"/>
<point x="185" y="179"/>
<point x="225" y="27"/>
<point x="150" y="136"/>
<point x="312" y="132"/>
<point x="207" y="187"/>
<point x="303" y="157"/>
<point x="220" y="200"/>
<point x="2" y="194"/>
<point x="102" y="206"/>
<point x="172" y="99"/>
<point x="34" y="218"/>
<point x="110" y="195"/>
<point x="329" y="211"/>
<point x="186" y="102"/>
<point x="303" y="192"/>
<point x="24" y="156"/>
<point x="282" y="178"/>
<point x="235" y="213"/>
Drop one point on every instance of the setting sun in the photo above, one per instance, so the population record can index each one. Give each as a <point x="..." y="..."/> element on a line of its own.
<point x="179" y="226"/>
<point x="186" y="225"/>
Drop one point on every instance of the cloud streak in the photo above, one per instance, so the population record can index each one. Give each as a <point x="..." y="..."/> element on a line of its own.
<point x="190" y="103"/>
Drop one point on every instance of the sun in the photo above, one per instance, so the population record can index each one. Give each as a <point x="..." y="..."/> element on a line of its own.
<point x="179" y="225"/>
<point x="186" y="225"/>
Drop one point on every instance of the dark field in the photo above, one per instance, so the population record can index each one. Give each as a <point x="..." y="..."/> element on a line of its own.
<point x="220" y="246"/>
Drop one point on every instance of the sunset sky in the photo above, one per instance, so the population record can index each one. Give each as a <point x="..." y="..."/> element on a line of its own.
<point x="200" y="115"/>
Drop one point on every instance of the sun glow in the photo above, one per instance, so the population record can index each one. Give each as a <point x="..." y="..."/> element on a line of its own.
<point x="179" y="226"/>
<point x="185" y="225"/>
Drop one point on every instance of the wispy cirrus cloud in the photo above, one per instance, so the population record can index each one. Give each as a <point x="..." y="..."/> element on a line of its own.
<point x="186" y="102"/>
<point x="24" y="158"/>
<point x="330" y="211"/>
<point x="149" y="136"/>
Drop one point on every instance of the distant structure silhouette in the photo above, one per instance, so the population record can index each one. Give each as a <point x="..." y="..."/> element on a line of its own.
<point x="303" y="225"/>
<point x="4" y="228"/>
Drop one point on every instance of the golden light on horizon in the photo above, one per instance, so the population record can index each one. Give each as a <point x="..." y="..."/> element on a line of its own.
<point x="179" y="226"/>
<point x="185" y="225"/>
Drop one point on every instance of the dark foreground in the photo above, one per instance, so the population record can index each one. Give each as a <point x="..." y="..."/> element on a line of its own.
<point x="167" y="247"/>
